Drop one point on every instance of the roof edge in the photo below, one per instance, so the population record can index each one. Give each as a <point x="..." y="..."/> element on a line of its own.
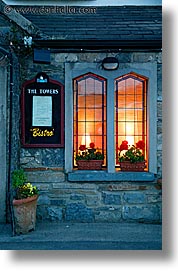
<point x="99" y="44"/>
<point x="20" y="20"/>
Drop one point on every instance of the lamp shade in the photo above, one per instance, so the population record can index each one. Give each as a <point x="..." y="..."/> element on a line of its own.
<point x="110" y="63"/>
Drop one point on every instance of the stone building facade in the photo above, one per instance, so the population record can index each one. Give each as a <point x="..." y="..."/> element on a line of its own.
<point x="78" y="196"/>
<point x="87" y="200"/>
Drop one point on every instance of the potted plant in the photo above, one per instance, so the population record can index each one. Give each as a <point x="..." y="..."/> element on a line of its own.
<point x="131" y="158"/>
<point x="89" y="158"/>
<point x="24" y="202"/>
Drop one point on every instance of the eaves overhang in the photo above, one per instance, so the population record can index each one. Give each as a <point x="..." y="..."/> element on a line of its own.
<point x="98" y="44"/>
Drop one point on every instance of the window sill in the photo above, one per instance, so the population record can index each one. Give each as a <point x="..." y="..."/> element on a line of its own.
<point x="91" y="176"/>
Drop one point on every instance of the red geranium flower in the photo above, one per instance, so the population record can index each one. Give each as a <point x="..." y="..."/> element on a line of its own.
<point x="124" y="142"/>
<point x="92" y="145"/>
<point x="124" y="145"/>
<point x="82" y="148"/>
<point x="140" y="145"/>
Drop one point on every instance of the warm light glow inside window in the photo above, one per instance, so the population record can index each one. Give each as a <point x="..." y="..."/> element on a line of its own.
<point x="130" y="111"/>
<point x="90" y="112"/>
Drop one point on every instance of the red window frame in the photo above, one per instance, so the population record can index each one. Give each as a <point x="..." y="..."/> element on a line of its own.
<point x="76" y="82"/>
<point x="143" y="135"/>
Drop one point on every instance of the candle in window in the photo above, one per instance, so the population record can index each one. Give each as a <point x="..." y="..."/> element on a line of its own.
<point x="86" y="140"/>
<point x="129" y="133"/>
<point x="130" y="140"/>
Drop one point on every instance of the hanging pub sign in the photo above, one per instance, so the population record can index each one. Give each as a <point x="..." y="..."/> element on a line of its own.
<point x="42" y="105"/>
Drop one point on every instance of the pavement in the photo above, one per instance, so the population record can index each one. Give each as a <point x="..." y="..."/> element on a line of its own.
<point x="84" y="236"/>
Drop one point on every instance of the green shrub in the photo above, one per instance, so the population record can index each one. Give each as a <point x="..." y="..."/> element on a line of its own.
<point x="22" y="188"/>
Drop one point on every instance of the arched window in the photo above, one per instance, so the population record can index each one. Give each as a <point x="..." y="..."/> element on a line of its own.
<point x="130" y="111"/>
<point x="106" y="108"/>
<point x="89" y="113"/>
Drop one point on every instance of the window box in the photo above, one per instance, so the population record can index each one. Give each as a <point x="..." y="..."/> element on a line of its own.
<point x="89" y="164"/>
<point x="135" y="167"/>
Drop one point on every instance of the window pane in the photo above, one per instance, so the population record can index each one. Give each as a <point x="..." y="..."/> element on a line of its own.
<point x="129" y="86"/>
<point x="81" y="87"/>
<point x="81" y="128"/>
<point x="121" y="115"/>
<point x="120" y="139"/>
<point x="121" y="128"/>
<point x="130" y="100"/>
<point x="98" y="114"/>
<point x="81" y="101"/>
<point x="121" y="87"/>
<point x="137" y="138"/>
<point x="138" y="128"/>
<point x="90" y="115"/>
<point x="98" y="128"/>
<point x="138" y="115"/>
<point x="90" y="112"/>
<point x="138" y="101"/>
<point x="98" y="87"/>
<point x="90" y="101"/>
<point x="81" y="114"/>
<point x="90" y="86"/>
<point x="139" y="87"/>
<point x="98" y="101"/>
<point x="130" y="115"/>
<point x="121" y="101"/>
<point x="130" y="111"/>
<point x="98" y="142"/>
<point x="90" y="128"/>
<point x="130" y="128"/>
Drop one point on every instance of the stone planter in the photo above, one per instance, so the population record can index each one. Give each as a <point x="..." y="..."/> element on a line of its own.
<point x="89" y="164"/>
<point x="132" y="167"/>
<point x="25" y="214"/>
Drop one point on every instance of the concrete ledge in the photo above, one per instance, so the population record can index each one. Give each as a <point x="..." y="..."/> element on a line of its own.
<point x="104" y="176"/>
<point x="45" y="176"/>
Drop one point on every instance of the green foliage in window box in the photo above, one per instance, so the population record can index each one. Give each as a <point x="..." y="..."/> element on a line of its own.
<point x="131" y="153"/>
<point x="89" y="153"/>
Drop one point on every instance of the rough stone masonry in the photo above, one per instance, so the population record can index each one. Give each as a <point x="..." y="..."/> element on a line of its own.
<point x="61" y="200"/>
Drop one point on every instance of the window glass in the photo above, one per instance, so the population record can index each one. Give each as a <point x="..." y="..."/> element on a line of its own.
<point x="90" y="113"/>
<point x="130" y="107"/>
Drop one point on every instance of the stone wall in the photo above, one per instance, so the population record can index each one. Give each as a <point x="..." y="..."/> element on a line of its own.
<point x="61" y="200"/>
<point x="55" y="157"/>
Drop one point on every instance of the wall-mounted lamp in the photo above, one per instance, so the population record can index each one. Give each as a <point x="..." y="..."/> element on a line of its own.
<point x="110" y="63"/>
